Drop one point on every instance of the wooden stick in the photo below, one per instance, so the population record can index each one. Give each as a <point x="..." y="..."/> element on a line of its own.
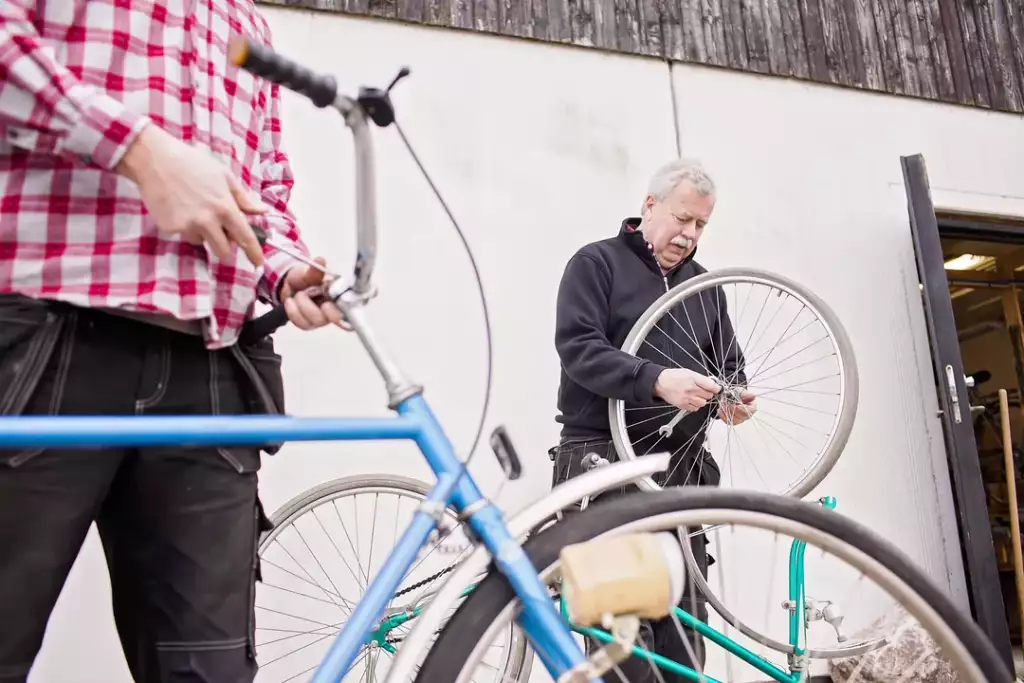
<point x="1011" y="490"/>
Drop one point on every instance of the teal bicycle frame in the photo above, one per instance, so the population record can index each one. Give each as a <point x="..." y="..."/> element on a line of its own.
<point x="797" y="630"/>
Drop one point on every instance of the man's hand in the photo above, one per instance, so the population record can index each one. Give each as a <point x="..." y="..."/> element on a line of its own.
<point x="304" y="313"/>
<point x="190" y="193"/>
<point x="733" y="413"/>
<point x="685" y="389"/>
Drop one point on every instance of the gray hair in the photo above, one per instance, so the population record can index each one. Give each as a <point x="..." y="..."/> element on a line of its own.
<point x="666" y="178"/>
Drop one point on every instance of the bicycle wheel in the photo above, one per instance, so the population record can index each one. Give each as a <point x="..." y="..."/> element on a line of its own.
<point x="493" y="604"/>
<point x="796" y="322"/>
<point x="317" y="561"/>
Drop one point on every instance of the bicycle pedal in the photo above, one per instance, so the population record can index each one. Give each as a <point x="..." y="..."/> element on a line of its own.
<point x="639" y="574"/>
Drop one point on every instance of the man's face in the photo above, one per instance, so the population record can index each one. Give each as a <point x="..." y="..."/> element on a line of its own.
<point x="674" y="225"/>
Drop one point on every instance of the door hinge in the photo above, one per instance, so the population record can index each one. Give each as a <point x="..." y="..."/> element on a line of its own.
<point x="954" y="397"/>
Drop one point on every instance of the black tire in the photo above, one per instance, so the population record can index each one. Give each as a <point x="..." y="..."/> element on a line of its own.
<point x="448" y="657"/>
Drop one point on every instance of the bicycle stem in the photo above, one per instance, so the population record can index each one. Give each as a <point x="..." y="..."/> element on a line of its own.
<point x="350" y="296"/>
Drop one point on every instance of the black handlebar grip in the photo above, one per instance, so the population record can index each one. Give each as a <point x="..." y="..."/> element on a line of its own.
<point x="263" y="326"/>
<point x="264" y="62"/>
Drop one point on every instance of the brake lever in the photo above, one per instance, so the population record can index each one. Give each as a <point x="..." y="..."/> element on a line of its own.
<point x="265" y="240"/>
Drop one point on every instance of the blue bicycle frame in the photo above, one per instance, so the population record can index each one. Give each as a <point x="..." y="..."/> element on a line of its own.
<point x="547" y="632"/>
<point x="549" y="635"/>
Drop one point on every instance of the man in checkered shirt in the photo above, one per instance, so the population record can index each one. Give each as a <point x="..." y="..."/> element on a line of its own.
<point x="133" y="157"/>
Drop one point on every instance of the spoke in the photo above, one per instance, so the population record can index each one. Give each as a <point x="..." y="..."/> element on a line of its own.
<point x="299" y="593"/>
<point x="752" y="461"/>
<point x="355" y="553"/>
<point x="784" y="419"/>
<point x="295" y="634"/>
<point x="310" y="580"/>
<point x="373" y="535"/>
<point x="660" y="415"/>
<point x="336" y="548"/>
<point x="761" y="429"/>
<point x="316" y="583"/>
<point x="761" y="370"/>
<point x="775" y="399"/>
<point x="315" y="559"/>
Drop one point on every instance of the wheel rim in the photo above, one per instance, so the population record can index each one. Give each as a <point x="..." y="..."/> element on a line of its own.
<point x="834" y="335"/>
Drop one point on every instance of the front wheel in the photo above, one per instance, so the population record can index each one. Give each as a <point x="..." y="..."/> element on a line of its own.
<point x="961" y="645"/>
<point x="749" y="330"/>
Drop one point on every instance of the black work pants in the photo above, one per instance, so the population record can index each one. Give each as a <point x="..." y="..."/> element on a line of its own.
<point x="663" y="636"/>
<point x="179" y="526"/>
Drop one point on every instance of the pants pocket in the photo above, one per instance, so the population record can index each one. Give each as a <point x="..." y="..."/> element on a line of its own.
<point x="229" y="395"/>
<point x="569" y="456"/>
<point x="212" y="662"/>
<point x="29" y="334"/>
<point x="261" y="526"/>
<point x="261" y="366"/>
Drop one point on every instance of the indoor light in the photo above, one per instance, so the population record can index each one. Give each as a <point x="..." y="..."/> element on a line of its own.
<point x="967" y="262"/>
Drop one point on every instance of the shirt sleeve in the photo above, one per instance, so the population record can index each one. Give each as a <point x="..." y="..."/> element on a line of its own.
<point x="276" y="181"/>
<point x="44" y="108"/>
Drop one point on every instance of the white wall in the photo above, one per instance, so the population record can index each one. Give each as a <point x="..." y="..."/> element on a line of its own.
<point x="540" y="149"/>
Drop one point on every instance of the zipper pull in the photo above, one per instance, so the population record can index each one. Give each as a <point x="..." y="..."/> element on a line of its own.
<point x="665" y="280"/>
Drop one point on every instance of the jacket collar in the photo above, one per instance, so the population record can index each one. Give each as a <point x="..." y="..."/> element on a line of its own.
<point x="629" y="232"/>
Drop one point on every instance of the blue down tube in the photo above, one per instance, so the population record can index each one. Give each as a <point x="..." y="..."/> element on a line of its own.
<point x="370" y="607"/>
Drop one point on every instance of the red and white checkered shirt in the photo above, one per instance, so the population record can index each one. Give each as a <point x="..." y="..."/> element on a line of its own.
<point x="78" y="80"/>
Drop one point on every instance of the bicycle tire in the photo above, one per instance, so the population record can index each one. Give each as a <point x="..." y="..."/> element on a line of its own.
<point x="494" y="598"/>
<point x="306" y="499"/>
<point x="520" y="664"/>
<point x="847" y="358"/>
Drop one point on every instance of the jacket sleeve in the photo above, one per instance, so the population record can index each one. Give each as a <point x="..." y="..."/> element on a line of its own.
<point x="45" y="108"/>
<point x="581" y="339"/>
<point x="728" y="354"/>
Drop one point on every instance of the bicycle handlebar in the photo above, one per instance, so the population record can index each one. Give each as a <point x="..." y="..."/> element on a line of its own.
<point x="264" y="62"/>
<point x="373" y="104"/>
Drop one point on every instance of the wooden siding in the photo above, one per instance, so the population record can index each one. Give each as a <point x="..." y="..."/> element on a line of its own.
<point x="965" y="51"/>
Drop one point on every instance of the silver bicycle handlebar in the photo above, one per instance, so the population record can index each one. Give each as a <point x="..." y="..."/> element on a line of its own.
<point x="366" y="194"/>
<point x="371" y="105"/>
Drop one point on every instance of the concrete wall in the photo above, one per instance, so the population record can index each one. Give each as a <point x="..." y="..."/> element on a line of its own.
<point x="539" y="149"/>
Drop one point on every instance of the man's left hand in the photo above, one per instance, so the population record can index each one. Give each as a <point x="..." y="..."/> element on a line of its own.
<point x="302" y="311"/>
<point x="737" y="413"/>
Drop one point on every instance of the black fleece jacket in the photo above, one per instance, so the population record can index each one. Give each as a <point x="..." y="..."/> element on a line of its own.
<point x="606" y="287"/>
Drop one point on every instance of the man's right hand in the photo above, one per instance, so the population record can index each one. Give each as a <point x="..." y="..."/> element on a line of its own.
<point x="188" y="192"/>
<point x="685" y="389"/>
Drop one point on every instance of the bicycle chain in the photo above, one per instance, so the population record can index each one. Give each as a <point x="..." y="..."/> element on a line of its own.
<point x="394" y="640"/>
<point x="424" y="581"/>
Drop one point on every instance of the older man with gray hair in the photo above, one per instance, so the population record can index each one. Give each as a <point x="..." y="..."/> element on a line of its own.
<point x="607" y="285"/>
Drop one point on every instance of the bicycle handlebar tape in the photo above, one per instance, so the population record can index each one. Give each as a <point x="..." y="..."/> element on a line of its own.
<point x="264" y="62"/>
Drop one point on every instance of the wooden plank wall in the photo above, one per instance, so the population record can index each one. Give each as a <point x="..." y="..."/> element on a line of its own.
<point x="965" y="51"/>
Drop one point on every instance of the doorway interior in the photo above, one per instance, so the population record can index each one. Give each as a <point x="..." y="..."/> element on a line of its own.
<point x="984" y="264"/>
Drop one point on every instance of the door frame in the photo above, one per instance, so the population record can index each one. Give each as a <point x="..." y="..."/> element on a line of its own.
<point x="969" y="496"/>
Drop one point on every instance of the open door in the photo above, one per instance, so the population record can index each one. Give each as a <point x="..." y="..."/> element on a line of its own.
<point x="965" y="470"/>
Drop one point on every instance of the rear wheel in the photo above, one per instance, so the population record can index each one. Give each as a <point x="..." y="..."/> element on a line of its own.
<point x="326" y="546"/>
<point x="493" y="605"/>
